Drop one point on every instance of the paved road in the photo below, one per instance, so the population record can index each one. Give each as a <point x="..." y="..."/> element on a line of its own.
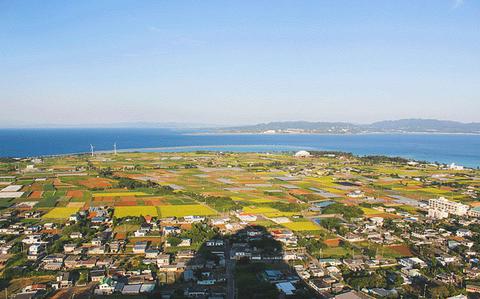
<point x="230" y="272"/>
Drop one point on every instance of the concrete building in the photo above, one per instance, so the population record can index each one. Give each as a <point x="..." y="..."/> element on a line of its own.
<point x="444" y="205"/>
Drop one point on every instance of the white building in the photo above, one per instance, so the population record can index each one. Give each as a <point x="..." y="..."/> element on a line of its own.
<point x="411" y="262"/>
<point x="455" y="167"/>
<point x="302" y="154"/>
<point x="356" y="194"/>
<point x="437" y="214"/>
<point x="444" y="205"/>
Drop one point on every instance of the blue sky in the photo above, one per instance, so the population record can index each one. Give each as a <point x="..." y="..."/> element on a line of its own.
<point x="237" y="62"/>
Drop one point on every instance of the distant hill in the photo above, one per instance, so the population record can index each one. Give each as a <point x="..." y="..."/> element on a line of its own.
<point x="389" y="126"/>
<point x="426" y="125"/>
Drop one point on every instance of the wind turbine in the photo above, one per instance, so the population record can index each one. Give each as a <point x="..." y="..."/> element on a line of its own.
<point x="91" y="149"/>
<point x="115" y="148"/>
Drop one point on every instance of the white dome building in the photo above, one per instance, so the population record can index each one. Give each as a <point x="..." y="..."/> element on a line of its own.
<point x="302" y="154"/>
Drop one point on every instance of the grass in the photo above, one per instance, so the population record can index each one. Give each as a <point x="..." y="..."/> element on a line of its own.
<point x="114" y="194"/>
<point x="60" y="213"/>
<point x="135" y="211"/>
<point x="180" y="201"/>
<point x="265" y="223"/>
<point x="334" y="252"/>
<point x="302" y="226"/>
<point x="5" y="203"/>
<point x="185" y="210"/>
<point x="49" y="199"/>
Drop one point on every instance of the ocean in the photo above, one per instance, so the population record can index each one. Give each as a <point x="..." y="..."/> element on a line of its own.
<point x="444" y="148"/>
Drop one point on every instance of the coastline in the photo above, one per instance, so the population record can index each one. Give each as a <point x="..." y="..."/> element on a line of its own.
<point x="445" y="148"/>
<point x="326" y="133"/>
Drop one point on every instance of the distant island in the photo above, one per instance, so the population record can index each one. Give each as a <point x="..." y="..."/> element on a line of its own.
<point x="388" y="126"/>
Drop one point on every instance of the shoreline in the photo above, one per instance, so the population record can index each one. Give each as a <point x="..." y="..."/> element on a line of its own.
<point x="330" y="134"/>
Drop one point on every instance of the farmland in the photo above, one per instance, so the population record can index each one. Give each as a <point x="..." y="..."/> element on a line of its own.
<point x="302" y="226"/>
<point x="118" y="194"/>
<point x="135" y="211"/>
<point x="60" y="213"/>
<point x="335" y="207"/>
<point x="224" y="183"/>
<point x="185" y="210"/>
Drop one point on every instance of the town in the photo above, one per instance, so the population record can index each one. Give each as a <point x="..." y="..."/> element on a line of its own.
<point x="237" y="225"/>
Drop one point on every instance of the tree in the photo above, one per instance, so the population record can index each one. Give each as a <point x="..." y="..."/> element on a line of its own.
<point x="174" y="241"/>
<point x="347" y="212"/>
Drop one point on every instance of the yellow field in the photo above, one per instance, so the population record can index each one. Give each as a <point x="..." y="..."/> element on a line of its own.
<point x="259" y="210"/>
<point x="301" y="226"/>
<point x="369" y="211"/>
<point x="75" y="204"/>
<point x="433" y="190"/>
<point x="259" y="200"/>
<point x="61" y="213"/>
<point x="185" y="210"/>
<point x="135" y="211"/>
<point x="267" y="212"/>
<point x="427" y="190"/>
<point x="238" y="198"/>
<point x="113" y="194"/>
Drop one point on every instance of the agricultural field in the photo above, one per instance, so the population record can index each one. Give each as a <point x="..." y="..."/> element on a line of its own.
<point x="268" y="186"/>
<point x="60" y="213"/>
<point x="135" y="211"/>
<point x="365" y="210"/>
<point x="118" y="194"/>
<point x="302" y="226"/>
<point x="185" y="210"/>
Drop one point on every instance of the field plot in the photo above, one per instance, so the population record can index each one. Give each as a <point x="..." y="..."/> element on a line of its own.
<point x="259" y="210"/>
<point x="185" y="210"/>
<point x="75" y="193"/>
<point x="370" y="211"/>
<point x="61" y="213"/>
<point x="302" y="226"/>
<point x="114" y="194"/>
<point x="36" y="195"/>
<point x="96" y="183"/>
<point x="401" y="249"/>
<point x="334" y="252"/>
<point x="267" y="212"/>
<point x="75" y="204"/>
<point x="135" y="211"/>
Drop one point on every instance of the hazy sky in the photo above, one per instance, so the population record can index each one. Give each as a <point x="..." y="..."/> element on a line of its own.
<point x="236" y="62"/>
